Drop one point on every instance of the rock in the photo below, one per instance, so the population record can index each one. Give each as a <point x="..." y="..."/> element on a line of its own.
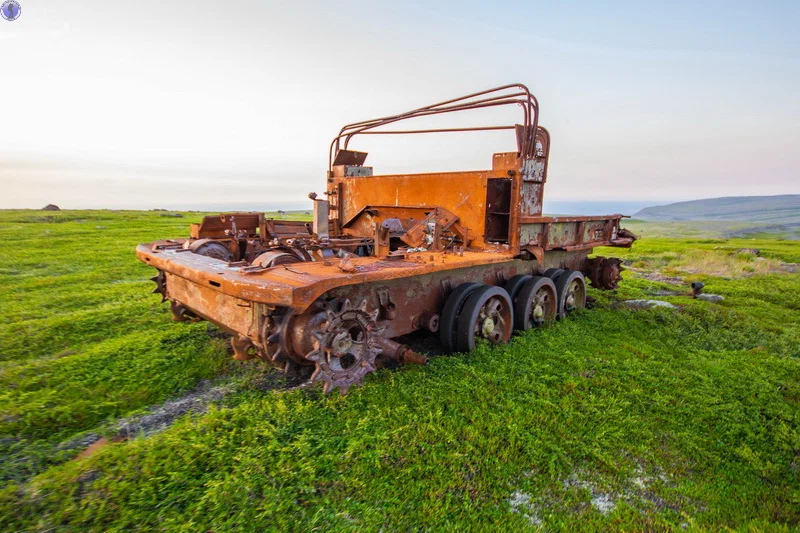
<point x="51" y="207"/>
<point x="174" y="215"/>
<point x="753" y="251"/>
<point x="713" y="298"/>
<point x="792" y="268"/>
<point x="648" y="304"/>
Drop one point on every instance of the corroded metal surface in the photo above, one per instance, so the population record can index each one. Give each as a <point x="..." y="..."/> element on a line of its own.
<point x="326" y="298"/>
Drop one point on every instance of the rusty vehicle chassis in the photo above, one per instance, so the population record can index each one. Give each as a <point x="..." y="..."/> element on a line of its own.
<point x="467" y="256"/>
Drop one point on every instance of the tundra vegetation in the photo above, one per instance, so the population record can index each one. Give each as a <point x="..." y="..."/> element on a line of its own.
<point x="615" y="418"/>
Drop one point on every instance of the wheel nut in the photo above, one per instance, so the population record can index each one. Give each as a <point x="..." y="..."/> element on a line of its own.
<point x="341" y="343"/>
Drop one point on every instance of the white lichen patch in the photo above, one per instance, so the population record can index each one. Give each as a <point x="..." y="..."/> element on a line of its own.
<point x="603" y="501"/>
<point x="597" y="492"/>
<point x="521" y="503"/>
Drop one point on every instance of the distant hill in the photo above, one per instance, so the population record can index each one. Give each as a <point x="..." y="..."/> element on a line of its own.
<point x="782" y="209"/>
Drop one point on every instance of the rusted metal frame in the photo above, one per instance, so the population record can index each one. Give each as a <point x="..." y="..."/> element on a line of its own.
<point x="409" y="299"/>
<point x="580" y="233"/>
<point x="431" y="110"/>
<point x="547" y="150"/>
<point x="465" y="107"/>
<point x="441" y="130"/>
<point x="530" y="106"/>
<point x="304" y="282"/>
<point x="358" y="213"/>
<point x="473" y="182"/>
<point x="583" y="246"/>
<point x="543" y="237"/>
<point x="494" y="102"/>
<point x="477" y="104"/>
<point x="578" y="218"/>
<point x="523" y="92"/>
<point x="514" y="227"/>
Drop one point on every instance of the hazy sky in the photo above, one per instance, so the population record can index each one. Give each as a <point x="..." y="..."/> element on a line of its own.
<point x="223" y="104"/>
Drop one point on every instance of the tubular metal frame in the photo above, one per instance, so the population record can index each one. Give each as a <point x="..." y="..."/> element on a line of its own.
<point x="512" y="94"/>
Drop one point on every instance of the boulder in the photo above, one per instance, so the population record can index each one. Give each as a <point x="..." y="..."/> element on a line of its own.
<point x="713" y="298"/>
<point x="752" y="251"/>
<point x="51" y="207"/>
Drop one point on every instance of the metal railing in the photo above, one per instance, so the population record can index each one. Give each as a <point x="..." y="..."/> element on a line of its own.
<point x="512" y="94"/>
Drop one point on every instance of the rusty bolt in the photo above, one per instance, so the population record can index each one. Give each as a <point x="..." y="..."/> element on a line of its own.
<point x="429" y="321"/>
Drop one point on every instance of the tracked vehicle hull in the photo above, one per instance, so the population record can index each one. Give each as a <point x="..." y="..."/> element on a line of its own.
<point x="462" y="256"/>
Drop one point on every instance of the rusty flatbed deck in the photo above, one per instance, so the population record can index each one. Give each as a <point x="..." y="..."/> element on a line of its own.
<point x="298" y="285"/>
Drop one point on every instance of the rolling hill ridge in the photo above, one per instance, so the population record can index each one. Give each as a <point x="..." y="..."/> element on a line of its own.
<point x="781" y="209"/>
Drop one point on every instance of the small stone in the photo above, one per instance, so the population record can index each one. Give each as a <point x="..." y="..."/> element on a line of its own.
<point x="713" y="298"/>
<point x="648" y="304"/>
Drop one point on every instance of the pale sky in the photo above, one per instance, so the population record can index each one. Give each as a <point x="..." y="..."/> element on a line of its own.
<point x="110" y="104"/>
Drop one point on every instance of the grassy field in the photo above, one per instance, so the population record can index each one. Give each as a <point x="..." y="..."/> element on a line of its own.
<point x="614" y="419"/>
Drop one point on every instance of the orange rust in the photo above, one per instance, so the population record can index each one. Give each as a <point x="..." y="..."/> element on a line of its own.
<point x="384" y="251"/>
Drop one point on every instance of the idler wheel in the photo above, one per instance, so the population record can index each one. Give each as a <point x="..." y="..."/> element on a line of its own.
<point x="605" y="272"/>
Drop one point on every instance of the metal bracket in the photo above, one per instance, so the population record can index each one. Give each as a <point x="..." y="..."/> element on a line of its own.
<point x="388" y="309"/>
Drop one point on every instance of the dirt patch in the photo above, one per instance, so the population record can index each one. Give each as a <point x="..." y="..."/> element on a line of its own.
<point x="163" y="416"/>
<point x="93" y="448"/>
<point x="658" y="277"/>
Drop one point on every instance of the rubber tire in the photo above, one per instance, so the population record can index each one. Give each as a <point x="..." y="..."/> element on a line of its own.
<point x="562" y="283"/>
<point x="553" y="273"/>
<point x="449" y="316"/>
<point x="514" y="285"/>
<point x="522" y="307"/>
<point x="465" y="337"/>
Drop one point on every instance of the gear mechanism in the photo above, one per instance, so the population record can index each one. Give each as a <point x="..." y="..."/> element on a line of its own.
<point x="276" y="348"/>
<point x="605" y="272"/>
<point x="345" y="345"/>
<point x="160" y="280"/>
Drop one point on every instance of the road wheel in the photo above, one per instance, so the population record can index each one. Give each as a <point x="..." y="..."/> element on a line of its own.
<point x="514" y="285"/>
<point x="553" y="273"/>
<point x="536" y="304"/>
<point x="487" y="314"/>
<point x="571" y="290"/>
<point x="450" y="312"/>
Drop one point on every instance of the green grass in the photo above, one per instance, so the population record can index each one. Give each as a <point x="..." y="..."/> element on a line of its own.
<point x="679" y="418"/>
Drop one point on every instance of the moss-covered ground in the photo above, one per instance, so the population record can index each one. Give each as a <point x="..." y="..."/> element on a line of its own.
<point x="613" y="419"/>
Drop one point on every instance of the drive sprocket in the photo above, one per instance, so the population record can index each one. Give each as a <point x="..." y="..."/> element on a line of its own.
<point x="345" y="345"/>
